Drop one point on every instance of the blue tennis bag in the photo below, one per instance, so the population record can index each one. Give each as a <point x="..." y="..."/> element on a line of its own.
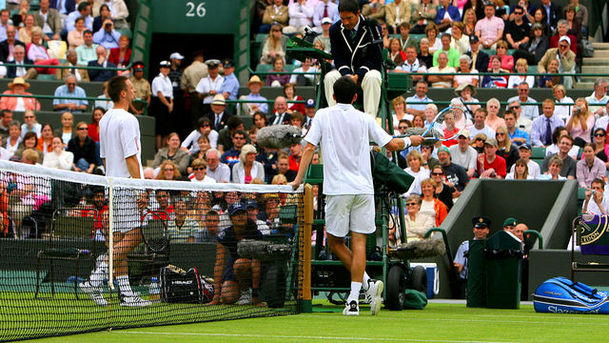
<point x="561" y="295"/>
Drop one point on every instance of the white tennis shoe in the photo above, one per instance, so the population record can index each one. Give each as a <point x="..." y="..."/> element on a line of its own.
<point x="134" y="301"/>
<point x="351" y="309"/>
<point x="94" y="292"/>
<point x="373" y="295"/>
<point x="245" y="298"/>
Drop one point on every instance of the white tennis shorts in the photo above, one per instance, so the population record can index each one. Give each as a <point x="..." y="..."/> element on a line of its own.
<point x="126" y="214"/>
<point x="346" y="213"/>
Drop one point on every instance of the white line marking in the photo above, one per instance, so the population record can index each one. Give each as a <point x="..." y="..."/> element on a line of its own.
<point x="388" y="339"/>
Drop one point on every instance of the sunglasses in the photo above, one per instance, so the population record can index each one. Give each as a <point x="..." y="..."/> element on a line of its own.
<point x="411" y="203"/>
<point x="499" y="134"/>
<point x="437" y="174"/>
<point x="515" y="107"/>
<point x="82" y="128"/>
<point x="479" y="140"/>
<point x="403" y="127"/>
<point x="168" y="169"/>
<point x="197" y="168"/>
<point x="28" y="117"/>
<point x="205" y="125"/>
<point x="599" y="135"/>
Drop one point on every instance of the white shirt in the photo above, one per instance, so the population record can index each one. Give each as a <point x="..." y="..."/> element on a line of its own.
<point x="220" y="174"/>
<point x="206" y="179"/>
<point x="192" y="140"/>
<point x="473" y="131"/>
<point x="344" y="134"/>
<point x="63" y="161"/>
<point x="553" y="149"/>
<point x="119" y="138"/>
<point x="206" y="84"/>
<point x="467" y="159"/>
<point x="534" y="170"/>
<point x="162" y="84"/>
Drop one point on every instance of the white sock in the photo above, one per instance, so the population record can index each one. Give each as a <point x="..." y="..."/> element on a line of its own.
<point x="101" y="269"/>
<point x="355" y="288"/>
<point x="123" y="285"/>
<point x="365" y="281"/>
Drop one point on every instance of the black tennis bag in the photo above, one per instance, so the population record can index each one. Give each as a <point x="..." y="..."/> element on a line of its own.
<point x="180" y="286"/>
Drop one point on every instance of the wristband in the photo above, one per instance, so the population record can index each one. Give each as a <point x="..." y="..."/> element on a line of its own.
<point x="406" y="142"/>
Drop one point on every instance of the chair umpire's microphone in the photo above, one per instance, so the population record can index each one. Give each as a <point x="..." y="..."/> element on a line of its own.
<point x="278" y="136"/>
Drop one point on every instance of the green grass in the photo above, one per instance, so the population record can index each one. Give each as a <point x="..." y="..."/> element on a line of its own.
<point x="437" y="323"/>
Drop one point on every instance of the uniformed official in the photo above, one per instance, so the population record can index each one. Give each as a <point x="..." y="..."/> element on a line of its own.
<point x="142" y="89"/>
<point x="481" y="230"/>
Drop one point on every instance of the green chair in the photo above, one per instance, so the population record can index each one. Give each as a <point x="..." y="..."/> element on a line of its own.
<point x="538" y="153"/>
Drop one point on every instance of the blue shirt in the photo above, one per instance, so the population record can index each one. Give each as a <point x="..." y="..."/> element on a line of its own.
<point x="262" y="106"/>
<point x="518" y="133"/>
<point x="414" y="99"/>
<point x="62" y="91"/>
<point x="231" y="86"/>
<point x="70" y="21"/>
<point x="107" y="40"/>
<point x="539" y="127"/>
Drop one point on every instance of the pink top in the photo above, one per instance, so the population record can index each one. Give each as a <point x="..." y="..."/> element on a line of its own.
<point x="507" y="62"/>
<point x="576" y="130"/>
<point x="37" y="52"/>
<point x="489" y="28"/>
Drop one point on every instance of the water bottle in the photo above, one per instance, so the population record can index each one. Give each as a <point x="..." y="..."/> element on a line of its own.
<point x="154" y="292"/>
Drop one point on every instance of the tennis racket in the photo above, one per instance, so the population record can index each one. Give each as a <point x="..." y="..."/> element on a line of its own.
<point x="447" y="125"/>
<point x="154" y="232"/>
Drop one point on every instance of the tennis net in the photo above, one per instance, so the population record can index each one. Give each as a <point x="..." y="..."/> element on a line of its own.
<point x="180" y="252"/>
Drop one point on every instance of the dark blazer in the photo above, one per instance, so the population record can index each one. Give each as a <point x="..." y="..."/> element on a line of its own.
<point x="286" y="119"/>
<point x="481" y="62"/>
<point x="70" y="5"/>
<point x="221" y="124"/>
<point x="555" y="14"/>
<point x="358" y="55"/>
<point x="11" y="72"/>
<point x="4" y="53"/>
<point x="101" y="74"/>
<point x="453" y="13"/>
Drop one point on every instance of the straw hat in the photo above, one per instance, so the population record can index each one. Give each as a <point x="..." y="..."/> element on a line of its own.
<point x="254" y="79"/>
<point x="218" y="100"/>
<point x="18" y="81"/>
<point x="464" y="85"/>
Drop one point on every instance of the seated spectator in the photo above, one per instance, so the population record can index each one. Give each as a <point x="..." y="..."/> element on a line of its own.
<point x="14" y="137"/>
<point x="447" y="15"/>
<point x="225" y="136"/>
<point x="83" y="10"/>
<point x="281" y="115"/>
<point x="66" y="131"/>
<point x="451" y="53"/>
<point x="405" y="39"/>
<point x="478" y="144"/>
<point x="254" y="84"/>
<point x="481" y="230"/>
<point x="469" y="21"/>
<point x="288" y="91"/>
<point x="412" y="64"/>
<point x="599" y="204"/>
<point x="274" y="46"/>
<point x="172" y="152"/>
<point x="515" y="80"/>
<point x="283" y="167"/>
<point x="199" y="169"/>
<point x="260" y="120"/>
<point x="103" y="14"/>
<point x="537" y="46"/>
<point x="600" y="144"/>
<point x="29" y="141"/>
<point x="276" y="13"/>
<point x="444" y="192"/>
<point x="216" y="169"/>
<point x="553" y="169"/>
<point x="25" y="32"/>
<point x="556" y="135"/>
<point x="107" y="36"/>
<point x="505" y="147"/>
<point x="430" y="206"/>
<point x="45" y="142"/>
<point x="517" y="135"/>
<point x="566" y="58"/>
<point x="562" y="31"/>
<point x="168" y="170"/>
<point x="417" y="223"/>
<point x="93" y="128"/>
<point x="180" y="227"/>
<point x="72" y="61"/>
<point x="105" y="104"/>
<point x="300" y="16"/>
<point x="7" y="46"/>
<point x="589" y="167"/>
<point x="121" y="56"/>
<point x="203" y="145"/>
<point x="18" y="18"/>
<point x="498" y="79"/>
<point x="322" y="41"/>
<point x="375" y="9"/>
<point x="76" y="36"/>
<point x="423" y="13"/>
<point x="464" y="68"/>
<point x="441" y="81"/>
<point x="83" y="148"/>
<point x="396" y="54"/>
<point x="568" y="165"/>
<point x="463" y="154"/>
<point x="434" y="43"/>
<point x="58" y="158"/>
<point x="19" y="104"/>
<point x="480" y="59"/>
<point x="21" y="59"/>
<point x="490" y="165"/>
<point x="465" y="92"/>
<point x="396" y="13"/>
<point x="581" y="123"/>
<point x="507" y="61"/>
<point x="37" y="53"/>
<point x="454" y="175"/>
<point x="490" y="28"/>
<point x="30" y="124"/>
<point x="492" y="119"/>
<point x="118" y="10"/>
<point x="247" y="168"/>
<point x="532" y="168"/>
<point x="425" y="55"/>
<point x="460" y="41"/>
<point x="204" y="130"/>
<point x="416" y="169"/>
<point x="575" y="24"/>
<point x="64" y="93"/>
<point x="49" y="20"/>
<point x="231" y="156"/>
<point x="399" y="111"/>
<point x="6" y="116"/>
<point x="86" y="52"/>
<point x="277" y="80"/>
<point x="551" y="81"/>
<point x="517" y="29"/>
<point x="101" y="75"/>
<point x="480" y="124"/>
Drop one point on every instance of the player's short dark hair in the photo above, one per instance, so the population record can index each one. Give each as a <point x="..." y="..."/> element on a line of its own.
<point x="87" y="32"/>
<point x="345" y="89"/>
<point x="348" y="6"/>
<point x="115" y="86"/>
<point x="233" y="122"/>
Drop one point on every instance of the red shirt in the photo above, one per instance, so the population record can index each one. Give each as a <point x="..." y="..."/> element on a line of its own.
<point x="498" y="164"/>
<point x="293" y="163"/>
<point x="97" y="216"/>
<point x="450" y="133"/>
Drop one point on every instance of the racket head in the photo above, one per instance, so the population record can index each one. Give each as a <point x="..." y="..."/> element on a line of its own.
<point x="447" y="125"/>
<point x="154" y="233"/>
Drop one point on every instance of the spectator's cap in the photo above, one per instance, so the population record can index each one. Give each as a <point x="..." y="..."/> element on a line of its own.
<point x="510" y="221"/>
<point x="219" y="100"/>
<point x="481" y="222"/>
<point x="236" y="208"/>
<point x="464" y="85"/>
<point x="165" y="64"/>
<point x="176" y="55"/>
<point x="565" y="39"/>
<point x="212" y="64"/>
<point x="525" y="146"/>
<point x="228" y="63"/>
<point x="250" y="204"/>
<point x="326" y="20"/>
<point x="491" y="142"/>
<point x="464" y="133"/>
<point x="254" y="79"/>
<point x="310" y="103"/>
<point x="19" y="81"/>
<point x="138" y="66"/>
<point x="443" y="149"/>
<point x="473" y="39"/>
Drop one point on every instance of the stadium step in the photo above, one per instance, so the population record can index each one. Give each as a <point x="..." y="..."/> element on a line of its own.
<point x="600" y="46"/>
<point x="584" y="85"/>
<point x="595" y="61"/>
<point x="600" y="53"/>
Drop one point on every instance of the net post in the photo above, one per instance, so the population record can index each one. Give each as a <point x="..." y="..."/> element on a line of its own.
<point x="110" y="234"/>
<point x="305" y="245"/>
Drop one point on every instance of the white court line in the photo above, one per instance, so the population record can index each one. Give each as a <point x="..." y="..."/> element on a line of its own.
<point x="391" y="339"/>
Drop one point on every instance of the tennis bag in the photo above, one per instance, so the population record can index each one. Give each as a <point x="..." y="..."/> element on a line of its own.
<point x="180" y="286"/>
<point x="561" y="295"/>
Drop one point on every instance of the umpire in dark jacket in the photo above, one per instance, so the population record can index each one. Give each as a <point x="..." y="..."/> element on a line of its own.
<point x="355" y="54"/>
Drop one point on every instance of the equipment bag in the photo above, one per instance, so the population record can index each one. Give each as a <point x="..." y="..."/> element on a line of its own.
<point x="561" y="295"/>
<point x="180" y="286"/>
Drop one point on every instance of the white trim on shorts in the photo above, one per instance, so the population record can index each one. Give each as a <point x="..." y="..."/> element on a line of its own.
<point x="352" y="212"/>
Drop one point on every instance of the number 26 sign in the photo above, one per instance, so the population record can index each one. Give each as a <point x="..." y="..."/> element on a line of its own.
<point x="193" y="10"/>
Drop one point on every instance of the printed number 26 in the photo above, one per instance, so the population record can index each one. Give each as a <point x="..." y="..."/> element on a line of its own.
<point x="198" y="10"/>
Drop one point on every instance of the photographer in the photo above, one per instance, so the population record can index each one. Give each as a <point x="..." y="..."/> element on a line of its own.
<point x="599" y="205"/>
<point x="107" y="36"/>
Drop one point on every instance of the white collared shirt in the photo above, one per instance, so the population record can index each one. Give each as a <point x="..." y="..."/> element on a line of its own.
<point x="162" y="84"/>
<point x="206" y="84"/>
